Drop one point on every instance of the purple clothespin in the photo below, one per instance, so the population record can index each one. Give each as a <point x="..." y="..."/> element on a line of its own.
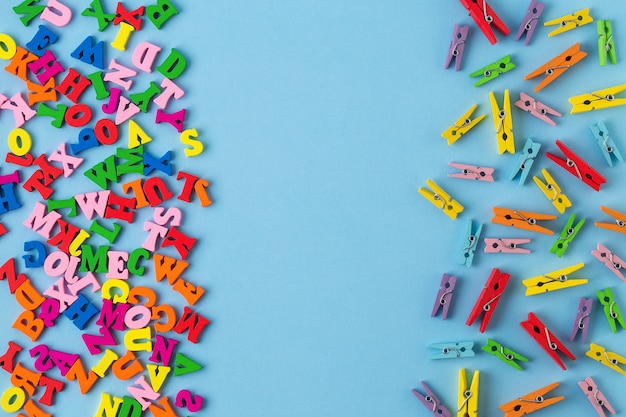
<point x="471" y="172"/>
<point x="444" y="296"/>
<point x="536" y="108"/>
<point x="581" y="321"/>
<point x="595" y="396"/>
<point x="610" y="260"/>
<point x="431" y="402"/>
<point x="530" y="21"/>
<point x="505" y="245"/>
<point x="457" y="45"/>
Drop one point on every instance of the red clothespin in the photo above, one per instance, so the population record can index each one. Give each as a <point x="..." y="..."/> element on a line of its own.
<point x="546" y="339"/>
<point x="581" y="321"/>
<point x="536" y="108"/>
<point x="529" y="23"/>
<point x="619" y="225"/>
<point x="444" y="296"/>
<point x="555" y="67"/>
<point x="484" y="16"/>
<point x="457" y="46"/>
<point x="576" y="166"/>
<point x="488" y="299"/>
<point x="531" y="402"/>
<point x="595" y="396"/>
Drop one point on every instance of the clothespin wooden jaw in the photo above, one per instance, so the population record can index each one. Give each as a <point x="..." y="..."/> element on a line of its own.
<point x="606" y="143"/>
<point x="611" y="309"/>
<point x="468" y="396"/>
<point x="595" y="396"/>
<point x="462" y="126"/>
<point x="569" y="22"/>
<point x="444" y="296"/>
<point x="440" y="199"/>
<point x="610" y="260"/>
<point x="610" y="359"/>
<point x="567" y="235"/>
<point x="546" y="339"/>
<point x="457" y="46"/>
<point x="600" y="99"/>
<point x="469" y="242"/>
<point x="606" y="43"/>
<point x="531" y="402"/>
<point x="576" y="166"/>
<point x="488" y="298"/>
<point x="506" y="245"/>
<point x="555" y="67"/>
<point x="485" y="18"/>
<point x="503" y="123"/>
<point x="526" y="220"/>
<point x="529" y="23"/>
<point x="493" y="70"/>
<point x="536" y="108"/>
<point x="552" y="191"/>
<point x="525" y="161"/>
<point x="431" y="401"/>
<point x="552" y="281"/>
<point x="451" y="350"/>
<point x="581" y="320"/>
<point x="506" y="355"/>
<point x="619" y="225"/>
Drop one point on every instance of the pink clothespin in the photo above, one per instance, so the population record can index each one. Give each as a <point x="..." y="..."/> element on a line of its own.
<point x="457" y="46"/>
<point x="536" y="108"/>
<point x="444" y="296"/>
<point x="595" y="396"/>
<point x="581" y="321"/>
<point x="471" y="172"/>
<point x="505" y="245"/>
<point x="529" y="24"/>
<point x="610" y="260"/>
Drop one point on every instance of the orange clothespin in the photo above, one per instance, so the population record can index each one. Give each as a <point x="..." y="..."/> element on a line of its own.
<point x="531" y="402"/>
<point x="619" y="225"/>
<point x="526" y="220"/>
<point x="557" y="66"/>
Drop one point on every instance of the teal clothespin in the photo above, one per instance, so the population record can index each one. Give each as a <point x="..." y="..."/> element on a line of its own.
<point x="568" y="234"/>
<point x="606" y="45"/>
<point x="506" y="355"/>
<point x="525" y="161"/>
<point x="610" y="308"/>
<point x="606" y="143"/>
<point x="493" y="70"/>
<point x="469" y="243"/>
<point x="449" y="350"/>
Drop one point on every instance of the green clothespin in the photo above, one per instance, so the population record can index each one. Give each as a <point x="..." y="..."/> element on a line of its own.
<point x="568" y="234"/>
<point x="493" y="70"/>
<point x="606" y="46"/>
<point x="610" y="308"/>
<point x="504" y="354"/>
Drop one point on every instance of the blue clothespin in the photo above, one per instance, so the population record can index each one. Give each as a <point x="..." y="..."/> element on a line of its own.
<point x="506" y="355"/>
<point x="568" y="234"/>
<point x="469" y="243"/>
<point x="525" y="161"/>
<point x="606" y="143"/>
<point x="451" y="350"/>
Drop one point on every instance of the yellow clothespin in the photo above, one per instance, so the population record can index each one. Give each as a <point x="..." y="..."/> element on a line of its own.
<point x="468" y="398"/>
<point x="503" y="123"/>
<point x="569" y="21"/>
<point x="601" y="99"/>
<point x="461" y="126"/>
<point x="552" y="190"/>
<point x="552" y="281"/>
<point x="610" y="359"/>
<point x="441" y="199"/>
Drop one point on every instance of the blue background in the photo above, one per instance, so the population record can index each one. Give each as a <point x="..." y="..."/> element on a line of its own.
<point x="321" y="261"/>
